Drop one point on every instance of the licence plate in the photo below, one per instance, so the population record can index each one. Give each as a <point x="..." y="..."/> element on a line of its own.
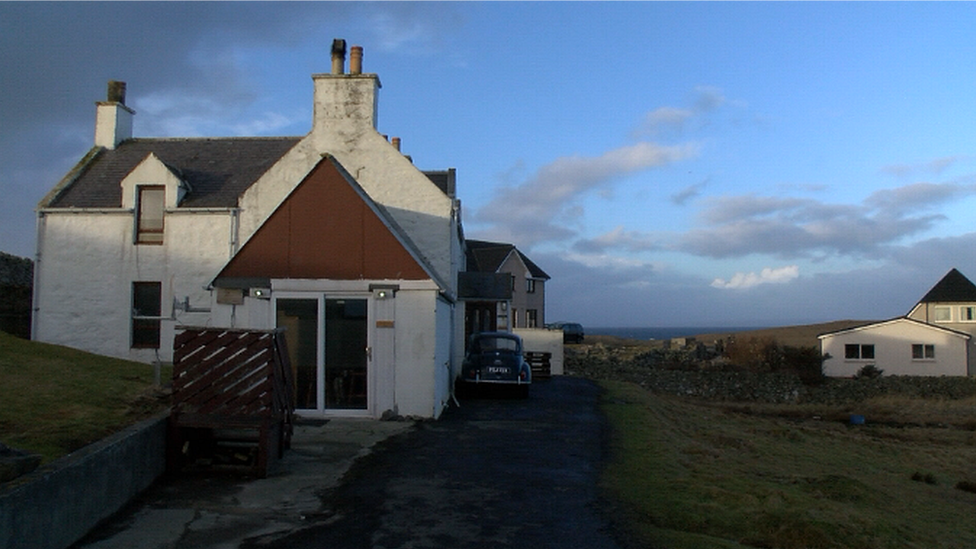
<point x="497" y="370"/>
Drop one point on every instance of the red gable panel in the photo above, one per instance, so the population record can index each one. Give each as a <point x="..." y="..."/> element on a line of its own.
<point x="324" y="230"/>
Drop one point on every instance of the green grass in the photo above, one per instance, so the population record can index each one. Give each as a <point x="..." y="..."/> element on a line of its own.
<point x="55" y="400"/>
<point x="690" y="474"/>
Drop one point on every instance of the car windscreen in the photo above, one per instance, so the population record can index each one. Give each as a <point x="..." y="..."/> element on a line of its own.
<point x="486" y="344"/>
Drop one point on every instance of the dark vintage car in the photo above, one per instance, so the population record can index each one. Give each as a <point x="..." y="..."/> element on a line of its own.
<point x="495" y="359"/>
<point x="572" y="331"/>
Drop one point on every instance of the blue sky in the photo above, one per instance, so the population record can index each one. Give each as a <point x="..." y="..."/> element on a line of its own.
<point x="668" y="164"/>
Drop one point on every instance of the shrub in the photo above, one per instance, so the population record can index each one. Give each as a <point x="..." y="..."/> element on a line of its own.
<point x="869" y="371"/>
<point x="966" y="486"/>
<point x="927" y="478"/>
<point x="766" y="355"/>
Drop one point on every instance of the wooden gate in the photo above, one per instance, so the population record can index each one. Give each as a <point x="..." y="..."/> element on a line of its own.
<point x="232" y="399"/>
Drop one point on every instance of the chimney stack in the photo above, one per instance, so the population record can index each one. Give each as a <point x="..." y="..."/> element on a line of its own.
<point x="344" y="103"/>
<point x="116" y="91"/>
<point x="396" y="143"/>
<point x="356" y="60"/>
<point x="113" y="120"/>
<point x="339" y="56"/>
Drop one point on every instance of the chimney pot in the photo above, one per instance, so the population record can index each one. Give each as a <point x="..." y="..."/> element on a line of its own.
<point x="116" y="91"/>
<point x="338" y="56"/>
<point x="356" y="60"/>
<point x="396" y="143"/>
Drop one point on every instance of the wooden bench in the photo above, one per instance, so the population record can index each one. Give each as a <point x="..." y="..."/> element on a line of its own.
<point x="232" y="399"/>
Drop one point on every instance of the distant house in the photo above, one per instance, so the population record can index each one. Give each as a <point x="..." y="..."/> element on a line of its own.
<point x="16" y="284"/>
<point x="524" y="284"/>
<point x="936" y="338"/>
<point x="334" y="236"/>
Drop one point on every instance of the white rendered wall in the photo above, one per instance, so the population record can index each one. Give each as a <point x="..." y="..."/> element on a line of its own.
<point x="404" y="376"/>
<point x="540" y="340"/>
<point x="443" y="365"/>
<point x="87" y="263"/>
<point x="344" y="127"/>
<point x="893" y="351"/>
<point x="416" y="341"/>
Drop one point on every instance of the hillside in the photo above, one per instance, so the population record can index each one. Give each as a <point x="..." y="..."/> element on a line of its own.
<point x="56" y="399"/>
<point x="794" y="336"/>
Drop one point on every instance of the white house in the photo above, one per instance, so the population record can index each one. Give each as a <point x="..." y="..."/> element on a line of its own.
<point x="934" y="339"/>
<point x="335" y="236"/>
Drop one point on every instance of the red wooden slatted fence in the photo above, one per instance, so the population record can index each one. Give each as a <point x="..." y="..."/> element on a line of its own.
<point x="228" y="380"/>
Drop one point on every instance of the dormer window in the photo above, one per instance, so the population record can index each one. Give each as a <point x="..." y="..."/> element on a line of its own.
<point x="150" y="207"/>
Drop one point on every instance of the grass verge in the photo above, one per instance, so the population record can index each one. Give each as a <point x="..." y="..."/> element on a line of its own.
<point x="56" y="400"/>
<point x="691" y="474"/>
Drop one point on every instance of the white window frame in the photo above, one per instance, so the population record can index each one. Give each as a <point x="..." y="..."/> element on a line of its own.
<point x="143" y="236"/>
<point x="967" y="313"/>
<point x="860" y="352"/>
<point x="927" y="350"/>
<point x="937" y="310"/>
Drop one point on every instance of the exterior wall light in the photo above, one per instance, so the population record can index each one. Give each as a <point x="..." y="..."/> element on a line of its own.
<point x="384" y="291"/>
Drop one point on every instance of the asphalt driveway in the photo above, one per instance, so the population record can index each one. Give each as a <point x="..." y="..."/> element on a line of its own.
<point x="492" y="473"/>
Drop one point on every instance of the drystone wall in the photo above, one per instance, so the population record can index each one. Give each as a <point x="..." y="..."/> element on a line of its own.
<point x="706" y="381"/>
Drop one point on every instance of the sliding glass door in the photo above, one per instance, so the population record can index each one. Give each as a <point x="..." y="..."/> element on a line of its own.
<point x="328" y="344"/>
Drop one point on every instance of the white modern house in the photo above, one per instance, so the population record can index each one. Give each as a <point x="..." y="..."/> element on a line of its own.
<point x="936" y="338"/>
<point x="335" y="236"/>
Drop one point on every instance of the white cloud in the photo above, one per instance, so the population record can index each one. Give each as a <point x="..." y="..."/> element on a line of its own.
<point x="742" y="281"/>
<point x="936" y="167"/>
<point x="675" y="119"/>
<point x="736" y="226"/>
<point x="537" y="209"/>
<point x="682" y="197"/>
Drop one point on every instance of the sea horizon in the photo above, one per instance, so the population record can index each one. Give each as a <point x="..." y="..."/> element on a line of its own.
<point x="665" y="332"/>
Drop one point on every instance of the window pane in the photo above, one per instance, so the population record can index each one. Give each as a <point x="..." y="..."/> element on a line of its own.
<point x="150" y="222"/>
<point x="867" y="351"/>
<point x="930" y="351"/>
<point x="852" y="351"/>
<point x="943" y="314"/>
<point x="917" y="352"/>
<point x="146" y="298"/>
<point x="146" y="302"/>
<point x="967" y="313"/>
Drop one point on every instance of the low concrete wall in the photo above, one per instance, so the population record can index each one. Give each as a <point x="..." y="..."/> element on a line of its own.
<point x="537" y="340"/>
<point x="59" y="503"/>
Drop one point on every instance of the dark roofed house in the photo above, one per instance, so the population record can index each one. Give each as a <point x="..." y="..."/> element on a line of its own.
<point x="954" y="287"/>
<point x="937" y="337"/>
<point x="336" y="237"/>
<point x="518" y="283"/>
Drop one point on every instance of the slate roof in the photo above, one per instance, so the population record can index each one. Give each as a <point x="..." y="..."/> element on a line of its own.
<point x="953" y="288"/>
<point x="218" y="170"/>
<point x="487" y="257"/>
<point x="444" y="179"/>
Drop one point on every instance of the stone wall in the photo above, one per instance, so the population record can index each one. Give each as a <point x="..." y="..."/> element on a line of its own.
<point x="59" y="503"/>
<point x="715" y="384"/>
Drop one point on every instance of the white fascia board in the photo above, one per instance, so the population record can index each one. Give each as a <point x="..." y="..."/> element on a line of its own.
<point x="329" y="285"/>
<point x="876" y="325"/>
